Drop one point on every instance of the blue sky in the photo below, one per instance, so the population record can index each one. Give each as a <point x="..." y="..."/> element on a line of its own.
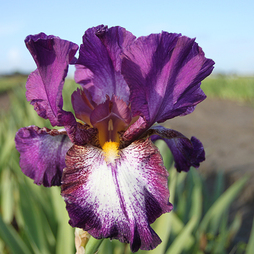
<point x="224" y="29"/>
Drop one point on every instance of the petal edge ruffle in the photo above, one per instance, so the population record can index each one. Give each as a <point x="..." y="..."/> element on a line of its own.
<point x="187" y="153"/>
<point x="117" y="200"/>
<point x="42" y="154"/>
<point x="98" y="68"/>
<point x="164" y="72"/>
<point x="52" y="56"/>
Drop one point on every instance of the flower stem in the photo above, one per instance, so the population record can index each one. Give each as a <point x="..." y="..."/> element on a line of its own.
<point x="93" y="245"/>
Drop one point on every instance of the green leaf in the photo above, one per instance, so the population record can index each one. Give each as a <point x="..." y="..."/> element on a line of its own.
<point x="31" y="213"/>
<point x="250" y="246"/>
<point x="12" y="239"/>
<point x="215" y="212"/>
<point x="177" y="227"/>
<point x="163" y="224"/>
<point x="162" y="228"/>
<point x="219" y="185"/>
<point x="221" y="239"/>
<point x="7" y="199"/>
<point x="234" y="227"/>
<point x="7" y="147"/>
<point x="196" y="197"/>
<point x="180" y="241"/>
<point x="172" y="184"/>
<point x="65" y="233"/>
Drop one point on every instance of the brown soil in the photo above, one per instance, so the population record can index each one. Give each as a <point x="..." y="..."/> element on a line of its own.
<point x="4" y="102"/>
<point x="226" y="130"/>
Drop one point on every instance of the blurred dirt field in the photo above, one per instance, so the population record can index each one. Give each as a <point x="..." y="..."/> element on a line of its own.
<point x="226" y="130"/>
<point x="4" y="102"/>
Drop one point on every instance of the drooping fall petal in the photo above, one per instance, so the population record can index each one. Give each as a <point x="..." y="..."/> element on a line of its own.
<point x="186" y="152"/>
<point x="120" y="198"/>
<point x="42" y="154"/>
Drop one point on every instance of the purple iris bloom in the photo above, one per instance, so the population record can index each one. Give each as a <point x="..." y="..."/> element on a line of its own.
<point x="111" y="174"/>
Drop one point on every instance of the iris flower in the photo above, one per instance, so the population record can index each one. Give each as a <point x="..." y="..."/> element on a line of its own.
<point x="111" y="174"/>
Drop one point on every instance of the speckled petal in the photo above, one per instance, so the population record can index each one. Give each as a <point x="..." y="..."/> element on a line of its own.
<point x="187" y="152"/>
<point x="99" y="63"/>
<point x="164" y="72"/>
<point x="120" y="199"/>
<point x="42" y="154"/>
<point x="134" y="131"/>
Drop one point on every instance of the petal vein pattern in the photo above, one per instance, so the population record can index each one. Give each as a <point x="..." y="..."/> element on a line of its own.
<point x="164" y="72"/>
<point x="99" y="64"/>
<point x="52" y="56"/>
<point x="111" y="175"/>
<point x="42" y="154"/>
<point x="120" y="199"/>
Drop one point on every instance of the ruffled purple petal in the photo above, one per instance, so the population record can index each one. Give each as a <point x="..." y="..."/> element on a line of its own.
<point x="99" y="63"/>
<point x="42" y="154"/>
<point x="187" y="153"/>
<point x="44" y="86"/>
<point x="117" y="200"/>
<point x="164" y="72"/>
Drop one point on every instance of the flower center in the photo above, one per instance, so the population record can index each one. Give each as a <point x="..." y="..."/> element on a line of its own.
<point x="110" y="150"/>
<point x="110" y="118"/>
<point x="110" y="129"/>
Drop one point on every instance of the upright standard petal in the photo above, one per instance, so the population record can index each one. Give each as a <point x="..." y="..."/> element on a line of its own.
<point x="99" y="63"/>
<point x="164" y="72"/>
<point x="44" y="86"/>
<point x="82" y="105"/>
<point x="42" y="154"/>
<point x="117" y="199"/>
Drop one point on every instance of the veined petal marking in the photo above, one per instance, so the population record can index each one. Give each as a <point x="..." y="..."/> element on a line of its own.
<point x="117" y="200"/>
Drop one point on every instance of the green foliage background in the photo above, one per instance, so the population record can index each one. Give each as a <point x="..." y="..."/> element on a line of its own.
<point x="33" y="218"/>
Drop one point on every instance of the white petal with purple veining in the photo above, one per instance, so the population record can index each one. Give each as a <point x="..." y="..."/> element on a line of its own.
<point x="118" y="199"/>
